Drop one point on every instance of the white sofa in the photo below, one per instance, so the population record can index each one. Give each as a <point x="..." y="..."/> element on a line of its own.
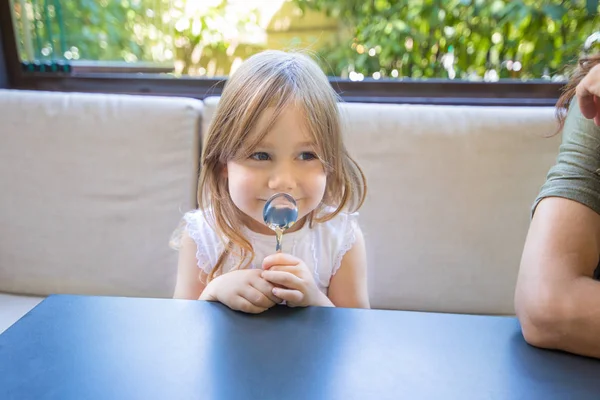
<point x="93" y="186"/>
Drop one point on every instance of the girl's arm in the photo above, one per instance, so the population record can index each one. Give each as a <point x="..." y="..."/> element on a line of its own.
<point x="242" y="290"/>
<point x="189" y="284"/>
<point x="348" y="287"/>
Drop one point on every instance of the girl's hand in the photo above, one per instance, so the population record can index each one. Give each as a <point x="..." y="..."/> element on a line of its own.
<point x="588" y="95"/>
<point x="243" y="290"/>
<point x="295" y="282"/>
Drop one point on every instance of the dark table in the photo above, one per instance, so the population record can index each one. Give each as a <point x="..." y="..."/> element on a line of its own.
<point x="78" y="347"/>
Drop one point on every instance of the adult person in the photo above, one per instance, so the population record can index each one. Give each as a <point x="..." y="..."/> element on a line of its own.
<point x="557" y="298"/>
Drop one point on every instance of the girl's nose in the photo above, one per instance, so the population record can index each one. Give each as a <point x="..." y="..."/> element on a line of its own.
<point x="283" y="179"/>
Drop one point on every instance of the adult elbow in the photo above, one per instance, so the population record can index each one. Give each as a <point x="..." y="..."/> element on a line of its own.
<point x="543" y="320"/>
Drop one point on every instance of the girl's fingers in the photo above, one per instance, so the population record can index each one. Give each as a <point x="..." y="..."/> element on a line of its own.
<point x="265" y="288"/>
<point x="282" y="278"/>
<point x="242" y="304"/>
<point x="292" y="297"/>
<point x="285" y="268"/>
<point x="279" y="259"/>
<point x="256" y="297"/>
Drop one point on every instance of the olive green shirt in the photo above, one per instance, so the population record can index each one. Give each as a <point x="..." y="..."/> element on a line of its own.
<point x="576" y="174"/>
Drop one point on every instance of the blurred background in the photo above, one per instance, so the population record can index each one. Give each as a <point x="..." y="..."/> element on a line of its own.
<point x="472" y="40"/>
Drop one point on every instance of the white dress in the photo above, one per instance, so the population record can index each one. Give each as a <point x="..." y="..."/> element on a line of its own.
<point x="321" y="247"/>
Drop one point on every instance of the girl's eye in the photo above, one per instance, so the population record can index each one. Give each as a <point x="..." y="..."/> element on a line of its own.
<point x="308" y="156"/>
<point x="260" y="156"/>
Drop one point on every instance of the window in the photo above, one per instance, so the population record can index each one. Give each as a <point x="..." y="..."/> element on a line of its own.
<point x="448" y="51"/>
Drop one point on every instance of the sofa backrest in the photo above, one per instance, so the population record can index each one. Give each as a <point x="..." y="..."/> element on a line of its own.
<point x="450" y="191"/>
<point x="92" y="187"/>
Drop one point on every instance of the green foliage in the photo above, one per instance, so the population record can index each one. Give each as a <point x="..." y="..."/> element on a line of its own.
<point x="466" y="39"/>
<point x="81" y="29"/>
<point x="189" y="34"/>
<point x="473" y="37"/>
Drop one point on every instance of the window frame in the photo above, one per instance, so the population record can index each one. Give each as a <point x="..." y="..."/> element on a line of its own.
<point x="133" y="80"/>
<point x="3" y="73"/>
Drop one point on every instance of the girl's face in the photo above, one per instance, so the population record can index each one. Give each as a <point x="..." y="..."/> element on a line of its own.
<point x="286" y="160"/>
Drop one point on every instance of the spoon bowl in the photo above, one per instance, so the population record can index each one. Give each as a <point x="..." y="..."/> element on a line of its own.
<point x="280" y="213"/>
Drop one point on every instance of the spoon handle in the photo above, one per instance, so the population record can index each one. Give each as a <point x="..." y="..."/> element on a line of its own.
<point x="278" y="236"/>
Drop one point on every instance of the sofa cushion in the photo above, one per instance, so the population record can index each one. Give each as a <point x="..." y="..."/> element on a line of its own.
<point x="92" y="187"/>
<point x="450" y="191"/>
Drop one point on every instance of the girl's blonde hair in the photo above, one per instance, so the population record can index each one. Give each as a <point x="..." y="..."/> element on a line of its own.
<point x="273" y="79"/>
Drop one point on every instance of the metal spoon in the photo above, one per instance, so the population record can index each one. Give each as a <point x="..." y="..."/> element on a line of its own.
<point x="280" y="214"/>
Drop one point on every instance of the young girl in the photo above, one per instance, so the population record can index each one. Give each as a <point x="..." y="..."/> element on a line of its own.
<point x="276" y="129"/>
